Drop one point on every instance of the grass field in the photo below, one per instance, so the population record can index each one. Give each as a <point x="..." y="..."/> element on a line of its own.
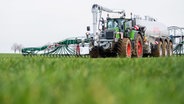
<point x="48" y="80"/>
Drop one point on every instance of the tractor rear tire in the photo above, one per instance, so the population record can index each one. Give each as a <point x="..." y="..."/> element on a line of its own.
<point x="170" y="49"/>
<point x="124" y="48"/>
<point x="138" y="51"/>
<point x="159" y="50"/>
<point x="165" y="49"/>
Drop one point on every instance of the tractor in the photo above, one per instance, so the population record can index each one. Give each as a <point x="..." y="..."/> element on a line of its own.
<point x="127" y="37"/>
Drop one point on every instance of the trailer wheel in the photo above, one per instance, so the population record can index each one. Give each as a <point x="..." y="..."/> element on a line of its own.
<point x="165" y="49"/>
<point x="159" y="51"/>
<point x="124" y="48"/>
<point x="138" y="52"/>
<point x="170" y="49"/>
<point x="94" y="52"/>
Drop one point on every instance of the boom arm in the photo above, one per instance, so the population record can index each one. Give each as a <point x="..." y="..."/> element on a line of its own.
<point x="95" y="10"/>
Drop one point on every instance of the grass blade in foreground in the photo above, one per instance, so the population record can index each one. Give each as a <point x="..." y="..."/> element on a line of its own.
<point x="35" y="80"/>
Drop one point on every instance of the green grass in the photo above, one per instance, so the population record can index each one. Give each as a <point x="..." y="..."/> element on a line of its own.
<point x="48" y="80"/>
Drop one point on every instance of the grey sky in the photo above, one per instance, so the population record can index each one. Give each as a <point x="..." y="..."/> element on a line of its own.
<point x="37" y="22"/>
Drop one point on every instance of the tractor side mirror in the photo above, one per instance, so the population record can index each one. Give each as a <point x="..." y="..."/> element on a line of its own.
<point x="88" y="28"/>
<point x="133" y="22"/>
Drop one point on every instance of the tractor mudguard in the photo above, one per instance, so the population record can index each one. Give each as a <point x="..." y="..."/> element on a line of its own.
<point x="132" y="35"/>
<point x="137" y="33"/>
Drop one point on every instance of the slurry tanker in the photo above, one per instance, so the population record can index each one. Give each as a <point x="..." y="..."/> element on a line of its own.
<point x="127" y="37"/>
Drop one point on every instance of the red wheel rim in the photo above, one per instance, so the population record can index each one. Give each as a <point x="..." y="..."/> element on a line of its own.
<point x="129" y="50"/>
<point x="139" y="48"/>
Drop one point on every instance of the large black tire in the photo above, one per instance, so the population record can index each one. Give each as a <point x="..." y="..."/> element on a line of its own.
<point x="138" y="50"/>
<point x="170" y="49"/>
<point x="165" y="49"/>
<point x="146" y="55"/>
<point x="124" y="48"/>
<point x="97" y="52"/>
<point x="158" y="52"/>
<point x="94" y="53"/>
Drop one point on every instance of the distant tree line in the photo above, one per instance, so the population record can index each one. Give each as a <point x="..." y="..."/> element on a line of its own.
<point x="17" y="48"/>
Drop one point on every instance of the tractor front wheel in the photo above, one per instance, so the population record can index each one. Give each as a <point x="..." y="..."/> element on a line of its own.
<point x="124" y="48"/>
<point x="94" y="53"/>
<point x="97" y="52"/>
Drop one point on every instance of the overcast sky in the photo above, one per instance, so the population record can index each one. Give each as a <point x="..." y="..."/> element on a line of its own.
<point x="37" y="22"/>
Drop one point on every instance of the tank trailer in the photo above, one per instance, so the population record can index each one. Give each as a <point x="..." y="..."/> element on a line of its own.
<point x="127" y="37"/>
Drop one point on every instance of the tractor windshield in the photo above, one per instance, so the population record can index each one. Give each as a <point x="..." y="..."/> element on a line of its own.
<point x="112" y="24"/>
<point x="115" y="23"/>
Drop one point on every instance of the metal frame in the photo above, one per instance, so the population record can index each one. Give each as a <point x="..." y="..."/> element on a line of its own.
<point x="177" y="36"/>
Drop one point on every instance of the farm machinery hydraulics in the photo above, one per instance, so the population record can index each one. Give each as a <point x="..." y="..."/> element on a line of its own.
<point x="127" y="37"/>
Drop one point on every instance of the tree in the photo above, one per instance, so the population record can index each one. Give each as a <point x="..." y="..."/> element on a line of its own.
<point x="16" y="47"/>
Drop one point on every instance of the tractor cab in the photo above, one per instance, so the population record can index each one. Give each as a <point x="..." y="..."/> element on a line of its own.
<point x="112" y="26"/>
<point x="115" y="26"/>
<point x="115" y="23"/>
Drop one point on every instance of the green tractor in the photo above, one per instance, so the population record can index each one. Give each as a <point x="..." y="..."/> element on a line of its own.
<point x="127" y="37"/>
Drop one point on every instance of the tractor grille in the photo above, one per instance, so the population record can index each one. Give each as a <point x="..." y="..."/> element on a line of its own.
<point x="109" y="34"/>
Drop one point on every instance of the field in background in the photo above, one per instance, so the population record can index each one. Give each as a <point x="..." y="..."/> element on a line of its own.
<point x="48" y="80"/>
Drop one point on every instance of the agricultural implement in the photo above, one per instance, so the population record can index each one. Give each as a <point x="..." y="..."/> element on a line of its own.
<point x="67" y="47"/>
<point x="127" y="37"/>
<point x="179" y="49"/>
<point x="177" y="36"/>
<point x="116" y="36"/>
